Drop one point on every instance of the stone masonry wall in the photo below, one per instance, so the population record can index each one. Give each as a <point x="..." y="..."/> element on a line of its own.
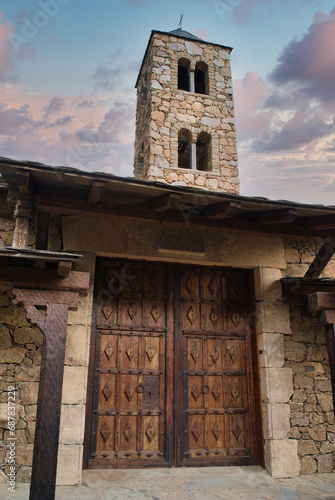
<point x="163" y="110"/>
<point x="20" y="360"/>
<point x="311" y="407"/>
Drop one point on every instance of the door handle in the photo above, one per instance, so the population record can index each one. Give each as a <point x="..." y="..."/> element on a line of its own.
<point x="205" y="389"/>
<point x="140" y="388"/>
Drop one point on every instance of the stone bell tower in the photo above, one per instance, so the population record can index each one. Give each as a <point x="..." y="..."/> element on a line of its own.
<point x="185" y="130"/>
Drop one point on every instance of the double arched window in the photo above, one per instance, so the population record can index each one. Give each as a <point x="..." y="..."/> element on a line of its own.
<point x="193" y="81"/>
<point x="194" y="155"/>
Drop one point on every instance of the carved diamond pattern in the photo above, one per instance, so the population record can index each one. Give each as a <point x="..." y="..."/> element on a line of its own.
<point x="236" y="431"/>
<point x="132" y="312"/>
<point x="150" y="352"/>
<point x="214" y="355"/>
<point x="234" y="288"/>
<point x="105" y="432"/>
<point x="130" y="352"/>
<point x="191" y="285"/>
<point x="128" y="432"/>
<point x="107" y="391"/>
<point x="234" y="392"/>
<point x="129" y="392"/>
<point x="232" y="354"/>
<point x="212" y="286"/>
<point x="194" y="351"/>
<point x="216" y="430"/>
<point x="108" y="351"/>
<point x="236" y="318"/>
<point x="213" y="317"/>
<point x="216" y="392"/>
<point x="192" y="315"/>
<point x="196" y="432"/>
<point x="195" y="392"/>
<point x="150" y="430"/>
<point x="156" y="313"/>
<point x="108" y="309"/>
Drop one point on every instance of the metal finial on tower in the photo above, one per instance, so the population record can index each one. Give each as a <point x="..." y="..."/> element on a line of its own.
<point x="181" y="21"/>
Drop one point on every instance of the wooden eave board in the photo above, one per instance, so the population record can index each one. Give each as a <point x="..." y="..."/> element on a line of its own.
<point x="75" y="184"/>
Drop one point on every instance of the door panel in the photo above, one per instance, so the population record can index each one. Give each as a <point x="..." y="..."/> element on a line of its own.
<point x="129" y="405"/>
<point x="216" y="397"/>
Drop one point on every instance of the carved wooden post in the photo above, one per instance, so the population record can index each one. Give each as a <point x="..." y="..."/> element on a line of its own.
<point x="54" y="327"/>
<point x="22" y="214"/>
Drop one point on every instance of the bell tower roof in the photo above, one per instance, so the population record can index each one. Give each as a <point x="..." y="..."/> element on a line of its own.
<point x="185" y="34"/>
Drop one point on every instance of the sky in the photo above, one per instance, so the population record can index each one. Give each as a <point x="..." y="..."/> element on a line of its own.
<point x="68" y="70"/>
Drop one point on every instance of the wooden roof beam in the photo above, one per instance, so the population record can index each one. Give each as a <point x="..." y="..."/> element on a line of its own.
<point x="321" y="301"/>
<point x="321" y="260"/>
<point x="96" y="192"/>
<point x="24" y="182"/>
<point x="281" y="216"/>
<point x="223" y="210"/>
<point x="320" y="222"/>
<point x="166" y="202"/>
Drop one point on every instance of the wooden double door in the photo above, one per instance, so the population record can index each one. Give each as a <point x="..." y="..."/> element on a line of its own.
<point x="172" y="376"/>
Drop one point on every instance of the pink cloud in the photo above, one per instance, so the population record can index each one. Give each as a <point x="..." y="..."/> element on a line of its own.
<point x="6" y="62"/>
<point x="310" y="61"/>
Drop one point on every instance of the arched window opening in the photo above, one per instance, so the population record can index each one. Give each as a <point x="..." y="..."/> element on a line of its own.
<point x="204" y="152"/>
<point x="201" y="78"/>
<point x="184" y="148"/>
<point x="183" y="74"/>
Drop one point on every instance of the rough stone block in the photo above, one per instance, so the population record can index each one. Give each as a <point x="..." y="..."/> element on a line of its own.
<point x="307" y="447"/>
<point x="28" y="336"/>
<point x="14" y="355"/>
<point x="325" y="463"/>
<point x="273" y="317"/>
<point x="69" y="467"/>
<point x="74" y="385"/>
<point x="267" y="284"/>
<point x="325" y="401"/>
<point x="280" y="417"/>
<point x="295" y="351"/>
<point x="5" y="338"/>
<point x="72" y="423"/>
<point x="308" y="465"/>
<point x="284" y="458"/>
<point x="77" y="345"/>
<point x="276" y="385"/>
<point x="271" y="347"/>
<point x="28" y="392"/>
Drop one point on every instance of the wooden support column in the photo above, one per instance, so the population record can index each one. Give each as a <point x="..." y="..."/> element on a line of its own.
<point x="22" y="214"/>
<point x="54" y="327"/>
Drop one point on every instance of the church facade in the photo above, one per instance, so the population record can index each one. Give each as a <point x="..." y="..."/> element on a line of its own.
<point x="192" y="326"/>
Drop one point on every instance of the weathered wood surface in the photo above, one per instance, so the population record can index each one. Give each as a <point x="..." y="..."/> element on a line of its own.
<point x="19" y="277"/>
<point x="321" y="301"/>
<point x="223" y="210"/>
<point x="42" y="298"/>
<point x="191" y="212"/>
<point x="281" y="216"/>
<point x="43" y="479"/>
<point x="326" y="317"/>
<point x="321" y="260"/>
